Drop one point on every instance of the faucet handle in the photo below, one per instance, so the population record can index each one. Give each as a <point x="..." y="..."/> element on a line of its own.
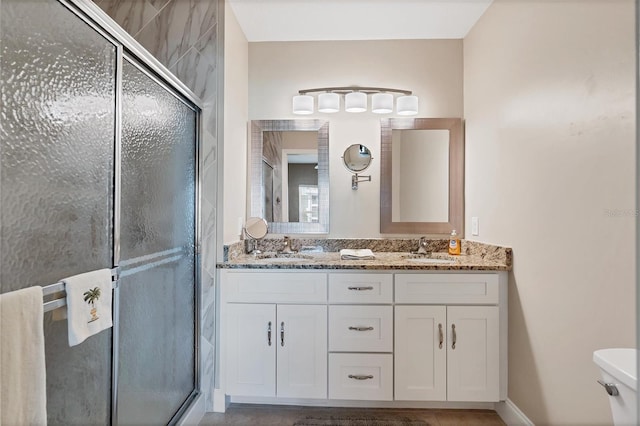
<point x="287" y="245"/>
<point x="422" y="246"/>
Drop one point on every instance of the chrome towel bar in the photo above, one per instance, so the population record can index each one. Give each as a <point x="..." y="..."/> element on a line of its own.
<point x="59" y="287"/>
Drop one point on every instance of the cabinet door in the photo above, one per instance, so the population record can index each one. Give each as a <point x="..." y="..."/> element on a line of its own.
<point x="302" y="351"/>
<point x="251" y="355"/>
<point x="420" y="359"/>
<point x="473" y="353"/>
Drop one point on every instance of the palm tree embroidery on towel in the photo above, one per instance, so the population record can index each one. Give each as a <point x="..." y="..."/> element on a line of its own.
<point x="91" y="297"/>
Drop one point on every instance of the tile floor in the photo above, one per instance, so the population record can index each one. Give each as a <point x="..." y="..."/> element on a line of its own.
<point x="270" y="415"/>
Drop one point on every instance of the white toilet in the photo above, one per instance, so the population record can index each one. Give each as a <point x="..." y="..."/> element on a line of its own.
<point x="619" y="380"/>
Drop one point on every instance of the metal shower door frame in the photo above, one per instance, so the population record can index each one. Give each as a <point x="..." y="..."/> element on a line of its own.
<point x="128" y="48"/>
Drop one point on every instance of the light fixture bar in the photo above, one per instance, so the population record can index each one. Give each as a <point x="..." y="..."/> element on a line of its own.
<point x="348" y="89"/>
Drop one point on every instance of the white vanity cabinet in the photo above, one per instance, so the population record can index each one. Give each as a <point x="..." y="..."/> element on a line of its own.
<point x="277" y="348"/>
<point x="447" y="333"/>
<point x="415" y="337"/>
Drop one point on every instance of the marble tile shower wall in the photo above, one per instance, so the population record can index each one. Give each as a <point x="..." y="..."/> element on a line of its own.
<point x="183" y="35"/>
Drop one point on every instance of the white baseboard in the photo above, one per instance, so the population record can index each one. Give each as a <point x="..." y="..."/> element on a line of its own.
<point x="362" y="404"/>
<point x="220" y="401"/>
<point x="195" y="413"/>
<point x="511" y="414"/>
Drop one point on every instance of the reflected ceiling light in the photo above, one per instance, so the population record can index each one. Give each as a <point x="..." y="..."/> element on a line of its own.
<point x="355" y="100"/>
<point x="328" y="102"/>
<point x="407" y="105"/>
<point x="303" y="104"/>
<point x="382" y="103"/>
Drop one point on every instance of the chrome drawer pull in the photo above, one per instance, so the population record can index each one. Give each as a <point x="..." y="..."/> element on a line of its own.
<point x="269" y="333"/>
<point x="361" y="288"/>
<point x="361" y="328"/>
<point x="360" y="377"/>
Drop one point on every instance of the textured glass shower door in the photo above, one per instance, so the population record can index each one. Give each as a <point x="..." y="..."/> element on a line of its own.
<point x="59" y="122"/>
<point x="58" y="91"/>
<point x="157" y="291"/>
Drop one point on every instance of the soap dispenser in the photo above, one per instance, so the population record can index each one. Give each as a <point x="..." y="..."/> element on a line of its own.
<point x="454" y="243"/>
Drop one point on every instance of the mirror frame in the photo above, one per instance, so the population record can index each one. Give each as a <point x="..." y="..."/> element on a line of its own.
<point x="258" y="127"/>
<point x="456" y="176"/>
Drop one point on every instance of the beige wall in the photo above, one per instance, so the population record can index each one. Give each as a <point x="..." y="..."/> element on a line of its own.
<point x="550" y="170"/>
<point x="236" y="113"/>
<point x="432" y="69"/>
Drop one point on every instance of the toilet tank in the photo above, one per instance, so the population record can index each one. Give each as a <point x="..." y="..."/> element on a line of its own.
<point x="618" y="367"/>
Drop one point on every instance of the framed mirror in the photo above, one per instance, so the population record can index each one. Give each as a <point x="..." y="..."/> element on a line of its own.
<point x="422" y="176"/>
<point x="289" y="183"/>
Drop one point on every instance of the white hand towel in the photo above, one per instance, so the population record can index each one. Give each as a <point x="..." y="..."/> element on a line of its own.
<point x="358" y="254"/>
<point x="89" y="298"/>
<point x="23" y="393"/>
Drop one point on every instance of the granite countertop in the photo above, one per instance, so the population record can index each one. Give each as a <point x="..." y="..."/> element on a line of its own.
<point x="383" y="261"/>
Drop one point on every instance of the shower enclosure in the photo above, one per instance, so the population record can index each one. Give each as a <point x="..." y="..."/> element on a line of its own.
<point x="99" y="168"/>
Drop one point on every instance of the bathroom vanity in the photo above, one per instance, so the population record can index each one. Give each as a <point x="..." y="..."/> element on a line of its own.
<point x="395" y="331"/>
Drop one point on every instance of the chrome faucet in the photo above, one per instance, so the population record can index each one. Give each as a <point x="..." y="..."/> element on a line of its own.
<point x="422" y="246"/>
<point x="251" y="246"/>
<point x="287" y="246"/>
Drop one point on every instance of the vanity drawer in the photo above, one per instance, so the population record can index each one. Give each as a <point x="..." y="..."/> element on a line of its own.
<point x="465" y="289"/>
<point x="360" y="328"/>
<point x="361" y="376"/>
<point x="277" y="287"/>
<point x="360" y="288"/>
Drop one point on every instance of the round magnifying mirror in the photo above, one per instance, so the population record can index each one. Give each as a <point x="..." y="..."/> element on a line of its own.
<point x="256" y="227"/>
<point x="357" y="157"/>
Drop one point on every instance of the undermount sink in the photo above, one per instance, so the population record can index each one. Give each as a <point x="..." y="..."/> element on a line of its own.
<point x="426" y="258"/>
<point x="430" y="260"/>
<point x="283" y="258"/>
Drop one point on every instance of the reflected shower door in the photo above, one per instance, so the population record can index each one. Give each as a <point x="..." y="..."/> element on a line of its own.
<point x="58" y="88"/>
<point x="157" y="291"/>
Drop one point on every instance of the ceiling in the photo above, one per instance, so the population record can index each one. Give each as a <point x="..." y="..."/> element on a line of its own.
<point x="304" y="20"/>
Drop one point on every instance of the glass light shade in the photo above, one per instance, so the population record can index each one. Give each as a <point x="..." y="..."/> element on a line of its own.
<point x="407" y="105"/>
<point x="355" y="102"/>
<point x="382" y="103"/>
<point x="303" y="104"/>
<point x="328" y="102"/>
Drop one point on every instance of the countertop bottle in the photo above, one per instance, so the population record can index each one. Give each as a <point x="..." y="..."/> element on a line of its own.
<point x="454" y="243"/>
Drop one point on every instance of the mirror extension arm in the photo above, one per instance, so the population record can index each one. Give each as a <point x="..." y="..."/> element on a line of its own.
<point x="355" y="179"/>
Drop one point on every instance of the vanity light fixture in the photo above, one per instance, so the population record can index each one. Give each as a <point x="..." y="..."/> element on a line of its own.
<point x="328" y="102"/>
<point x="303" y="104"/>
<point x="382" y="103"/>
<point x="407" y="105"/>
<point x="355" y="100"/>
